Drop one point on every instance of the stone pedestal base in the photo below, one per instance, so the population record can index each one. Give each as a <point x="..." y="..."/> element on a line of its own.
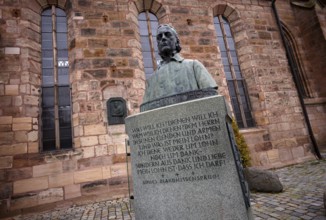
<point x="183" y="165"/>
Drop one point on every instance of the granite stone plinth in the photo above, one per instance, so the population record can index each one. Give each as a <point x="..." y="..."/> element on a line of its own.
<point x="183" y="165"/>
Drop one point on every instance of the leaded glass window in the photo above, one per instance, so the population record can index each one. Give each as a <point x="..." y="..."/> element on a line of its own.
<point x="148" y="24"/>
<point x="235" y="81"/>
<point x="56" y="108"/>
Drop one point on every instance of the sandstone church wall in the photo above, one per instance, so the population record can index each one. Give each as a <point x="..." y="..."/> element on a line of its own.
<point x="105" y="61"/>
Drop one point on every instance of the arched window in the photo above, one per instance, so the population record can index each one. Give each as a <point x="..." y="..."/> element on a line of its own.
<point x="297" y="68"/>
<point x="148" y="24"/>
<point x="56" y="110"/>
<point x="235" y="81"/>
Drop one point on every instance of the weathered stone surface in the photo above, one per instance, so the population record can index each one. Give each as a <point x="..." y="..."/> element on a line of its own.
<point x="101" y="73"/>
<point x="119" y="169"/>
<point x="13" y="149"/>
<point x="69" y="165"/>
<point x="89" y="141"/>
<point x="182" y="163"/>
<point x="22" y="120"/>
<point x="6" y="162"/>
<point x="101" y="150"/>
<point x="88" y="32"/>
<point x="119" y="158"/>
<point x="101" y="63"/>
<point x="118" y="183"/>
<point x="11" y="90"/>
<point x="94" y="129"/>
<point x="33" y="147"/>
<point x="72" y="191"/>
<point x="6" y="120"/>
<point x="12" y="50"/>
<point x="47" y="169"/>
<point x="61" y="179"/>
<point x="32" y="111"/>
<point x="88" y="175"/>
<point x="5" y="190"/>
<point x="21" y="136"/>
<point x="95" y="187"/>
<point x="50" y="195"/>
<point x="23" y="201"/>
<point x="86" y="163"/>
<point x="121" y="149"/>
<point x="31" y="100"/>
<point x="5" y="128"/>
<point x="94" y="53"/>
<point x="22" y="127"/>
<point x="125" y="73"/>
<point x="106" y="170"/>
<point x="2" y="175"/>
<point x="5" y="100"/>
<point x="6" y="137"/>
<point x="19" y="173"/>
<point x="32" y="136"/>
<point x="88" y="152"/>
<point x="27" y="160"/>
<point x="119" y="52"/>
<point x="262" y="180"/>
<point x="29" y="185"/>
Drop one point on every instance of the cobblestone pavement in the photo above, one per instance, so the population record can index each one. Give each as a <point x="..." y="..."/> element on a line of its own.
<point x="302" y="199"/>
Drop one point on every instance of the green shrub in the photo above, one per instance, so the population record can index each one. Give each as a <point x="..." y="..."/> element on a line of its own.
<point x="242" y="145"/>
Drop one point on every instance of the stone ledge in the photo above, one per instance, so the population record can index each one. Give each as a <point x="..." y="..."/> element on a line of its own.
<point x="252" y="130"/>
<point x="61" y="155"/>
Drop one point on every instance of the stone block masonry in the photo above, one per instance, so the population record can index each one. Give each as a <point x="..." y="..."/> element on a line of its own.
<point x="105" y="61"/>
<point x="52" y="181"/>
<point x="302" y="182"/>
<point x="33" y="184"/>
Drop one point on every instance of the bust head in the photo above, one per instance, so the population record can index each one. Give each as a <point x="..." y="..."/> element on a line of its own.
<point x="168" y="42"/>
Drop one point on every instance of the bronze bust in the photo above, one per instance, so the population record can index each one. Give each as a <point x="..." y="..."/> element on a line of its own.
<point x="176" y="79"/>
